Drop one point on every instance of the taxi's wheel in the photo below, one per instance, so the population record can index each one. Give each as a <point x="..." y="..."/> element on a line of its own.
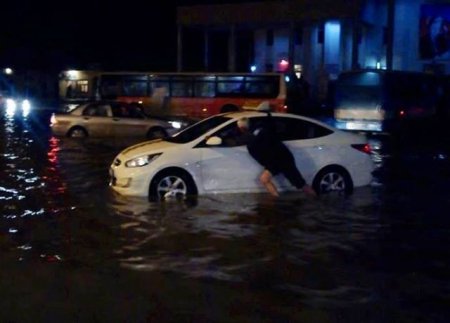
<point x="77" y="132"/>
<point x="156" y="132"/>
<point x="333" y="180"/>
<point x="172" y="184"/>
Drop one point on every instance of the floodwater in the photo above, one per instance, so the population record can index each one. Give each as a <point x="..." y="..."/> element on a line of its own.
<point x="72" y="250"/>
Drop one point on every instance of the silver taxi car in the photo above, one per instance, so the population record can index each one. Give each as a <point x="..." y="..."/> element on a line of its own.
<point x="110" y="118"/>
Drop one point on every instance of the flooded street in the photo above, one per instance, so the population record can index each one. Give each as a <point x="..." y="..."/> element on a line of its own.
<point x="72" y="250"/>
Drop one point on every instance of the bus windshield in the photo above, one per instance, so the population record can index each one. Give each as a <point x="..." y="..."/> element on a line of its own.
<point x="377" y="100"/>
<point x="361" y="91"/>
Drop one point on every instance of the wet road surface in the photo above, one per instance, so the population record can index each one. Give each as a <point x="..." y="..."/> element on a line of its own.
<point x="72" y="250"/>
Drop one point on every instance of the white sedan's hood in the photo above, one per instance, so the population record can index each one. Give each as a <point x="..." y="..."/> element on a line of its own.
<point x="153" y="146"/>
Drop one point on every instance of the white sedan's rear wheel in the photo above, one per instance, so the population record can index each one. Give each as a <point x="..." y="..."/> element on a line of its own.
<point x="333" y="180"/>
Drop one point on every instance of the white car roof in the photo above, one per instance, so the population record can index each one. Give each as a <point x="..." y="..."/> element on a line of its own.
<point x="249" y="114"/>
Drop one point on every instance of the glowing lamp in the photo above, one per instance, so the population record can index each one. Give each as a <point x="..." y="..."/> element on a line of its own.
<point x="72" y="74"/>
<point x="283" y="65"/>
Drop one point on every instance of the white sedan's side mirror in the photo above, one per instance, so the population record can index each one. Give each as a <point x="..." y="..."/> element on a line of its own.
<point x="214" y="141"/>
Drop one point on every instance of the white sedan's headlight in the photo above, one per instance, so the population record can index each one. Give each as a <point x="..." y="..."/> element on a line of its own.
<point x="141" y="160"/>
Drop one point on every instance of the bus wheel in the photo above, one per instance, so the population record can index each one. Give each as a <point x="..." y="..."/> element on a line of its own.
<point x="333" y="180"/>
<point x="172" y="183"/>
<point x="77" y="132"/>
<point x="156" y="132"/>
<point x="229" y="108"/>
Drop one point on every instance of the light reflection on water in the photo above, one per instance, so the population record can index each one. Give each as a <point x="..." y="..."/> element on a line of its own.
<point x="384" y="247"/>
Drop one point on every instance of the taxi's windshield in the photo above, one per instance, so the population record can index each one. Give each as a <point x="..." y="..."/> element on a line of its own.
<point x="197" y="129"/>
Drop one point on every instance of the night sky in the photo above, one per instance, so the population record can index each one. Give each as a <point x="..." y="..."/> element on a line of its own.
<point x="56" y="35"/>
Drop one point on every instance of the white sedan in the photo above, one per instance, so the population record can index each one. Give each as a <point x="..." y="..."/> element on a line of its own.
<point x="204" y="159"/>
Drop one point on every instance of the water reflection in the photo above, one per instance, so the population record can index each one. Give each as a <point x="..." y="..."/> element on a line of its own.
<point x="224" y="236"/>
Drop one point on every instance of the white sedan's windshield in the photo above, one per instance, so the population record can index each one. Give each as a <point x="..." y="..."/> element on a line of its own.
<point x="197" y="129"/>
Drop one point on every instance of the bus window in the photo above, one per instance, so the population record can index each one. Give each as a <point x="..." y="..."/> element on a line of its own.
<point x="135" y="85"/>
<point x="205" y="86"/>
<point x="230" y="86"/>
<point x="259" y="86"/>
<point x="160" y="84"/>
<point x="181" y="86"/>
<point x="77" y="89"/>
<point x="110" y="86"/>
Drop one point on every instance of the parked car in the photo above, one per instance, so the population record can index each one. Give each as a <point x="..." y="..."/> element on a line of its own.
<point x="104" y="118"/>
<point x="204" y="158"/>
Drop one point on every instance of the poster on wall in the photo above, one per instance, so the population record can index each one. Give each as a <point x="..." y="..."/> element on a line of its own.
<point x="434" y="40"/>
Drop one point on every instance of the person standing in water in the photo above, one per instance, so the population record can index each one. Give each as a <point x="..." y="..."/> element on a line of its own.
<point x="276" y="158"/>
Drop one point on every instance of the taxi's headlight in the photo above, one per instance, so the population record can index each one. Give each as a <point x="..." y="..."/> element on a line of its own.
<point x="176" y="124"/>
<point x="141" y="160"/>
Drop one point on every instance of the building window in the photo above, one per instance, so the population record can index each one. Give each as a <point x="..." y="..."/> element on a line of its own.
<point x="269" y="37"/>
<point x="321" y="34"/>
<point x="298" y="35"/>
<point x="82" y="86"/>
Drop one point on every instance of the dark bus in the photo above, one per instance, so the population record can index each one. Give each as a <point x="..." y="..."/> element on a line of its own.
<point x="375" y="100"/>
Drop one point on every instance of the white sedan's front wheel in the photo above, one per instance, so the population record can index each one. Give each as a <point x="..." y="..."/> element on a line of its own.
<point x="172" y="184"/>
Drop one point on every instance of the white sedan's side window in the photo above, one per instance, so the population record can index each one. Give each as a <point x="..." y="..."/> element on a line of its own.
<point x="297" y="129"/>
<point x="231" y="136"/>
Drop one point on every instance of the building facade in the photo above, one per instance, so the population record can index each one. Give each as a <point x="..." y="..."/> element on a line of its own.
<point x="317" y="38"/>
